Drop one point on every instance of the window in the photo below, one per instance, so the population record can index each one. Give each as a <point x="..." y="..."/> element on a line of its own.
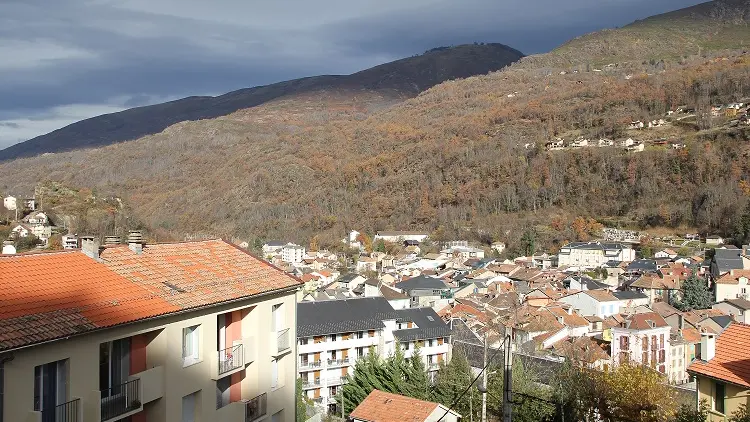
<point x="114" y="366"/>
<point x="405" y="345"/>
<point x="661" y="341"/>
<point x="50" y="384"/>
<point x="222" y="391"/>
<point x="360" y="334"/>
<point x="333" y="337"/>
<point x="360" y="352"/>
<point x="277" y="317"/>
<point x="430" y="342"/>
<point x="188" y="407"/>
<point x="429" y="318"/>
<point x="274" y="373"/>
<point x="190" y="345"/>
<point x="719" y="393"/>
<point x="303" y="341"/>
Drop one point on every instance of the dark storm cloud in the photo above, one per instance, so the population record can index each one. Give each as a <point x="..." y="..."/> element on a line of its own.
<point x="70" y="59"/>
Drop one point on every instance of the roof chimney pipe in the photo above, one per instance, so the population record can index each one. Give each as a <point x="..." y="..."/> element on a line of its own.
<point x="90" y="246"/>
<point x="9" y="248"/>
<point x="708" y="346"/>
<point x="112" y="240"/>
<point x="135" y="241"/>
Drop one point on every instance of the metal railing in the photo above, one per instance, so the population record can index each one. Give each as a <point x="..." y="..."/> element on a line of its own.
<point x="338" y="362"/>
<point x="255" y="408"/>
<point x="433" y="366"/>
<point x="121" y="399"/>
<point x="336" y="380"/>
<point x="311" y="364"/>
<point x="66" y="412"/>
<point x="282" y="340"/>
<point x="231" y="358"/>
<point x="314" y="383"/>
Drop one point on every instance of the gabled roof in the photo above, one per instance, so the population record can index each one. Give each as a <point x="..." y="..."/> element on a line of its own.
<point x="429" y="324"/>
<point x="601" y="295"/>
<point x="421" y="282"/>
<point x="642" y="265"/>
<point x="389" y="293"/>
<point x="731" y="362"/>
<point x="727" y="259"/>
<point x="664" y="309"/>
<point x="380" y="406"/>
<point x="644" y="321"/>
<point x="192" y="274"/>
<point x="733" y="277"/>
<point x="342" y="316"/>
<point x="629" y="295"/>
<point x="738" y="303"/>
<point x="47" y="296"/>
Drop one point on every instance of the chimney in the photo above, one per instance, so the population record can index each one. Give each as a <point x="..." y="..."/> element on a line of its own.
<point x="708" y="346"/>
<point x="561" y="320"/>
<point x="90" y="246"/>
<point x="680" y="321"/>
<point x="112" y="240"/>
<point x="9" y="248"/>
<point x="135" y="241"/>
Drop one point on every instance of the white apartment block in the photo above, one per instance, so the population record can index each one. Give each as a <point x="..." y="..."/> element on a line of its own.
<point x="332" y="335"/>
<point x="292" y="253"/>
<point x="594" y="254"/>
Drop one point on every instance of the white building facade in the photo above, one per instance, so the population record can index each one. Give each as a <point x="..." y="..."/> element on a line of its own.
<point x="594" y="254"/>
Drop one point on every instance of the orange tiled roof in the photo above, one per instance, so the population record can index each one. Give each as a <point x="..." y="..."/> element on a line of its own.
<point x="733" y="277"/>
<point x="380" y="406"/>
<point x="201" y="273"/>
<point x="52" y="295"/>
<point x="731" y="363"/>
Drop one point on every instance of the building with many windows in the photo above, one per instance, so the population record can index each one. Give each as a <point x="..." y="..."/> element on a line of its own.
<point x="593" y="254"/>
<point x="643" y="338"/>
<point x="333" y="334"/>
<point x="164" y="332"/>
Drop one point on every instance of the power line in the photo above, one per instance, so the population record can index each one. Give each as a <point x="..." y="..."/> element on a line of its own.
<point x="455" y="402"/>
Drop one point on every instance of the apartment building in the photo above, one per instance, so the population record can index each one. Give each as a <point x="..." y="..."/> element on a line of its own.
<point x="198" y="331"/>
<point x="594" y="254"/>
<point x="333" y="334"/>
<point x="644" y="339"/>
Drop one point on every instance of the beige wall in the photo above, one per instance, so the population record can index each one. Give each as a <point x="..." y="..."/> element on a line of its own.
<point x="735" y="396"/>
<point x="164" y="349"/>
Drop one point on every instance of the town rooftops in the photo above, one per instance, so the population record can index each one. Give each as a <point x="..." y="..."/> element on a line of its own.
<point x="380" y="406"/>
<point x="429" y="324"/>
<point x="739" y="303"/>
<point x="48" y="296"/>
<point x="342" y="316"/>
<point x="629" y="295"/>
<point x="644" y="321"/>
<point x="601" y="295"/>
<point x="421" y="283"/>
<point x="642" y="265"/>
<point x="731" y="362"/>
<point x="726" y="259"/>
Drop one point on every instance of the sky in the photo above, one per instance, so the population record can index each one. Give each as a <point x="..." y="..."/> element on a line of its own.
<point x="63" y="61"/>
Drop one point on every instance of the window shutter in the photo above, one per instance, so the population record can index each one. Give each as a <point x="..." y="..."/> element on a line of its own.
<point x="185" y="340"/>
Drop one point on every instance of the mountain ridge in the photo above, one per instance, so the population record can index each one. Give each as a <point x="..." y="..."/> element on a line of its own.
<point x="401" y="78"/>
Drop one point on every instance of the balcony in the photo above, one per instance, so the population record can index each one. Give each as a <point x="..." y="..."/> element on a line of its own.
<point x="311" y="364"/>
<point x="255" y="408"/>
<point x="433" y="366"/>
<point x="338" y="362"/>
<point x="232" y="359"/>
<point x="121" y="400"/>
<point x="336" y="381"/>
<point x="283" y="343"/>
<point x="308" y="384"/>
<point x="67" y="412"/>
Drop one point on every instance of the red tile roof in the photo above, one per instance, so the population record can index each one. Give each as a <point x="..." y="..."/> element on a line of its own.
<point x="51" y="295"/>
<point x="644" y="321"/>
<point x="731" y="363"/>
<point x="195" y="274"/>
<point x="380" y="406"/>
<point x="733" y="277"/>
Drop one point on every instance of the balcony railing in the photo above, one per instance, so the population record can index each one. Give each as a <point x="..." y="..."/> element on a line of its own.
<point x="66" y="412"/>
<point x="311" y="383"/>
<point x="336" y="380"/>
<point x="231" y="358"/>
<point x="433" y="366"/>
<point x="338" y="362"/>
<point x="121" y="399"/>
<point x="311" y="364"/>
<point x="255" y="408"/>
<point x="282" y="340"/>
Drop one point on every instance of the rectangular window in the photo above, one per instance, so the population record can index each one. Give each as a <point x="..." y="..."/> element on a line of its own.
<point x="277" y="317"/>
<point x="360" y="352"/>
<point x="188" y="407"/>
<point x="360" y="334"/>
<point x="719" y="393"/>
<point x="333" y="337"/>
<point x="114" y="366"/>
<point x="303" y="341"/>
<point x="190" y="345"/>
<point x="274" y="373"/>
<point x="50" y="385"/>
<point x="661" y="341"/>
<point x="222" y="391"/>
<point x="405" y="345"/>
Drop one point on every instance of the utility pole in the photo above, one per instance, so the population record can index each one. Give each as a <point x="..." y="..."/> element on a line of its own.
<point x="508" y="378"/>
<point x="484" y="381"/>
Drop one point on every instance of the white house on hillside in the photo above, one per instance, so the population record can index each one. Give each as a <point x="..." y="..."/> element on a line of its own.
<point x="643" y="338"/>
<point x="594" y="254"/>
<point x="10" y="203"/>
<point x="400" y="236"/>
<point x="600" y="303"/>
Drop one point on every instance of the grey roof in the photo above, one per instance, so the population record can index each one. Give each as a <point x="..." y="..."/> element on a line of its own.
<point x="421" y="282"/>
<point x="629" y="295"/>
<point x="342" y="316"/>
<point x="739" y="303"/>
<point x="429" y="324"/>
<point x="727" y="259"/>
<point x="588" y="282"/>
<point x="475" y="353"/>
<point x="462" y="332"/>
<point x="722" y="320"/>
<point x="594" y="246"/>
<point x="274" y="243"/>
<point x="642" y="265"/>
<point x="347" y="278"/>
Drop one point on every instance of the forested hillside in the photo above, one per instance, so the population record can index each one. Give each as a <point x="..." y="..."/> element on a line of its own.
<point x="464" y="155"/>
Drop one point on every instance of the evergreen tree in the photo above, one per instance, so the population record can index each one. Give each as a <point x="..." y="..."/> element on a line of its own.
<point x="695" y="294"/>
<point x="368" y="374"/>
<point x="742" y="228"/>
<point x="451" y="381"/>
<point x="528" y="241"/>
<point x="416" y="376"/>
